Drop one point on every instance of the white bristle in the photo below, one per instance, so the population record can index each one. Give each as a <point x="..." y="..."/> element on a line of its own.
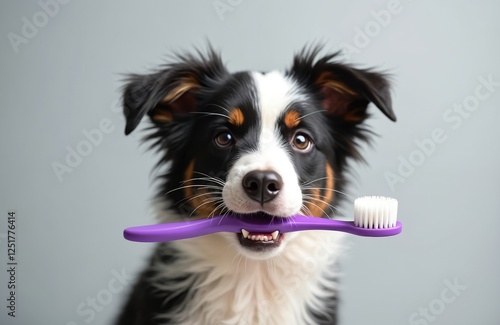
<point x="375" y="212"/>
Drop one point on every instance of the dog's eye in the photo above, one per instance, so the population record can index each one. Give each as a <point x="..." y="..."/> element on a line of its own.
<point x="224" y="139"/>
<point x="302" y="142"/>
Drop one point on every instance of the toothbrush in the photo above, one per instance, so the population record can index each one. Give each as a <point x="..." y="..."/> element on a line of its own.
<point x="374" y="216"/>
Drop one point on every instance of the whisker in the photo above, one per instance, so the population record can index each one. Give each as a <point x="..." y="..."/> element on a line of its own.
<point x="203" y="179"/>
<point x="329" y="189"/>
<point x="306" y="115"/>
<point x="199" y="186"/>
<point x="315" y="180"/>
<point x="331" y="207"/>
<point x="309" y="202"/>
<point x="219" y="106"/>
<point x="210" y="200"/>
<point x="211" y="114"/>
<point x="226" y="214"/>
<point x="307" y="211"/>
<point x="319" y="179"/>
<point x="185" y="200"/>
<point x="203" y="202"/>
<point x="220" y="205"/>
<point x="214" y="178"/>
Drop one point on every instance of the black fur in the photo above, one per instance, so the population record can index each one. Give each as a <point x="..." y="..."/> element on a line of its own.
<point x="147" y="301"/>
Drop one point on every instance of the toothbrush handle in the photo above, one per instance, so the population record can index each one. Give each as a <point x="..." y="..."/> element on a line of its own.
<point x="174" y="230"/>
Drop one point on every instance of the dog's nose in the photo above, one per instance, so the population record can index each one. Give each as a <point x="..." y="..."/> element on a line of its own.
<point x="262" y="185"/>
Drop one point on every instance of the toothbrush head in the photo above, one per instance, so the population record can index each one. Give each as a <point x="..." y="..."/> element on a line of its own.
<point x="375" y="212"/>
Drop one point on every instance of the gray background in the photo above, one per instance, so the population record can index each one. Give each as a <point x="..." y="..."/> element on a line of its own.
<point x="66" y="79"/>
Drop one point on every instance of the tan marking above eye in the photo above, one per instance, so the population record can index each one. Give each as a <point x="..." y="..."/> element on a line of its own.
<point x="236" y="117"/>
<point x="291" y="119"/>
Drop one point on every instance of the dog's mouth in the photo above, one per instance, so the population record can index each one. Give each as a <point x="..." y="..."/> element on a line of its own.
<point x="256" y="240"/>
<point x="260" y="241"/>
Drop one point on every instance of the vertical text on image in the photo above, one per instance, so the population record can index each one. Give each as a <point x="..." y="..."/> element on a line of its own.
<point x="12" y="265"/>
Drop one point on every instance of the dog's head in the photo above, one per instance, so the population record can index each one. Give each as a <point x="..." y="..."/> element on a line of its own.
<point x="252" y="144"/>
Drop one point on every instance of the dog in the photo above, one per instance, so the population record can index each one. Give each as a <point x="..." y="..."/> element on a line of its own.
<point x="253" y="145"/>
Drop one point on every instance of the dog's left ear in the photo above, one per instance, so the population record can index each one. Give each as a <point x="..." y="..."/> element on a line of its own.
<point x="344" y="91"/>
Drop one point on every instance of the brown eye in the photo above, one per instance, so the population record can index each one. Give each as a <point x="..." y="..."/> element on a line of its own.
<point x="302" y="142"/>
<point x="224" y="139"/>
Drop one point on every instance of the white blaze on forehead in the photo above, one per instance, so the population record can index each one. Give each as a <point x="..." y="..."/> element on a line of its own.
<point x="275" y="93"/>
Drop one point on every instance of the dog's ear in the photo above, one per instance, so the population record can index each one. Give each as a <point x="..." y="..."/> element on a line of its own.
<point x="172" y="91"/>
<point x="344" y="91"/>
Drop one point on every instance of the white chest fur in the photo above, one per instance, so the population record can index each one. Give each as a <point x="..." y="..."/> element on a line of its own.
<point x="228" y="288"/>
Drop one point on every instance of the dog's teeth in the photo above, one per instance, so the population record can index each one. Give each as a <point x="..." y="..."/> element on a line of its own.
<point x="260" y="237"/>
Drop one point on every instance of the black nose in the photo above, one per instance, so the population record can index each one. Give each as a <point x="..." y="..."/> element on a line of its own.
<point x="262" y="185"/>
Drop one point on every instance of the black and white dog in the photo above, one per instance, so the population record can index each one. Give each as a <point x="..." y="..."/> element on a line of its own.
<point x="256" y="145"/>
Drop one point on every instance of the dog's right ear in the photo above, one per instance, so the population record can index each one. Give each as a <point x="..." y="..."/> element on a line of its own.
<point x="172" y="91"/>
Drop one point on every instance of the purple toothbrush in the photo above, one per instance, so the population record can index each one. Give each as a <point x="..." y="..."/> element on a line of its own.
<point x="188" y="229"/>
<point x="373" y="217"/>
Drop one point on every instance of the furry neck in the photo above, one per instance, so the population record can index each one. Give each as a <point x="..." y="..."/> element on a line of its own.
<point x="228" y="288"/>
